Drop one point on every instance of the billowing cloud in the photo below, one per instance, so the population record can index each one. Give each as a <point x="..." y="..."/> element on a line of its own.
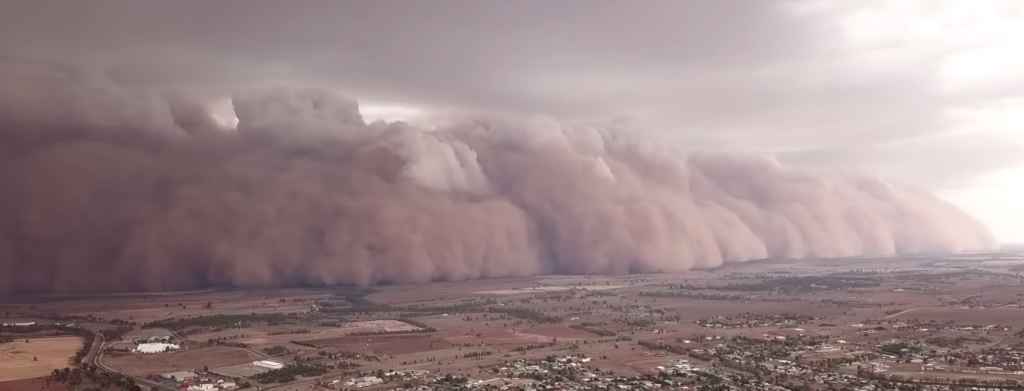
<point x="104" y="187"/>
<point x="799" y="78"/>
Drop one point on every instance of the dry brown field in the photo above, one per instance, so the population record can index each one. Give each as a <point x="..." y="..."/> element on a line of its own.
<point x="41" y="384"/>
<point x="906" y="292"/>
<point x="152" y="307"/>
<point x="185" y="360"/>
<point x="386" y="345"/>
<point x="37" y="357"/>
<point x="1005" y="316"/>
<point x="914" y="371"/>
<point x="34" y="384"/>
<point x="559" y="332"/>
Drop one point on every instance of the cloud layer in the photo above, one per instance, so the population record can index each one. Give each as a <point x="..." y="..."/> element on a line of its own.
<point x="923" y="92"/>
<point x="106" y="188"/>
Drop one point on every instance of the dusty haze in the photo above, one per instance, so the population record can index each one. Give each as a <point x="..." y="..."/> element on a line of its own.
<point x="104" y="188"/>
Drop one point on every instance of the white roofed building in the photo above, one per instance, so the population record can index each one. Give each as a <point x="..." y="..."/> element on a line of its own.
<point x="268" y="364"/>
<point x="147" y="348"/>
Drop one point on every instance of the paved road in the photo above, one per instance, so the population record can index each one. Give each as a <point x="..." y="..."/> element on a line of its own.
<point x="95" y="358"/>
<point x="97" y="347"/>
<point x="899" y="313"/>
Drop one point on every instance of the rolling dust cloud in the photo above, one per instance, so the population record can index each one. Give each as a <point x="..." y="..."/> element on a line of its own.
<point x="105" y="188"/>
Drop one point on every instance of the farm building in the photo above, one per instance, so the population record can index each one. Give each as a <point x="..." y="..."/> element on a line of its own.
<point x="268" y="364"/>
<point x="221" y="385"/>
<point x="180" y="376"/>
<point x="361" y="382"/>
<point x="147" y="348"/>
<point x="19" y="324"/>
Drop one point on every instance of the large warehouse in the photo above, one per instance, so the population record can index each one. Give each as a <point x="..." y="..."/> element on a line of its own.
<point x="157" y="347"/>
<point x="268" y="364"/>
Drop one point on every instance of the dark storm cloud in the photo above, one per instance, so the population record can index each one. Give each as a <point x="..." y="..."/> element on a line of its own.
<point x="108" y="188"/>
<point x="685" y="66"/>
<point x="455" y="52"/>
<point x="734" y="70"/>
<point x="110" y="158"/>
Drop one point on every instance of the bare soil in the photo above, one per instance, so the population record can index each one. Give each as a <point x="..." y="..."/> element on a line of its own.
<point x="37" y="357"/>
<point x="472" y="342"/>
<point x="184" y="360"/>
<point x="1004" y="315"/>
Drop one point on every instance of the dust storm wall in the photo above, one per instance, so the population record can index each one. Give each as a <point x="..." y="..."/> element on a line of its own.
<point x="103" y="188"/>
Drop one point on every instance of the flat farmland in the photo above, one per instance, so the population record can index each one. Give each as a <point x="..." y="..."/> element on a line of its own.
<point x="690" y="309"/>
<point x="624" y="325"/>
<point x="387" y="345"/>
<point x="385" y="325"/>
<point x="38" y="357"/>
<point x="239" y="370"/>
<point x="157" y="306"/>
<point x="42" y="384"/>
<point x="436" y="293"/>
<point x="264" y="336"/>
<point x="213" y="357"/>
<point x="33" y="384"/>
<point x="1004" y="315"/>
<point x="504" y="338"/>
<point x="557" y="332"/>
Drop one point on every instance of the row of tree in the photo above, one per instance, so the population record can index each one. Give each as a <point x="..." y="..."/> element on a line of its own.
<point x="276" y="350"/>
<point x="527" y="314"/>
<point x="287" y="332"/>
<point x="964" y="382"/>
<point x="391" y="332"/>
<point x="593" y="330"/>
<point x="222" y="320"/>
<point x="290" y="372"/>
<point x="664" y="346"/>
<point x="694" y="296"/>
<point x="532" y="347"/>
<point x="102" y="380"/>
<point x="477" y="354"/>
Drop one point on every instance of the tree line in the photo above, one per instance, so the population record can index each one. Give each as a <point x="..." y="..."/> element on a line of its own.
<point x="593" y="330"/>
<point x="86" y="373"/>
<point x="527" y="314"/>
<point x="391" y="332"/>
<point x="221" y="320"/>
<point x="289" y="372"/>
<point x="532" y="347"/>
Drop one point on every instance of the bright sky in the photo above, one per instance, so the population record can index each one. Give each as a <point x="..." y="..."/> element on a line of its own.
<point x="979" y="47"/>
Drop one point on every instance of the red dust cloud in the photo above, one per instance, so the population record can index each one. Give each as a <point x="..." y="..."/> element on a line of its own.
<point x="103" y="188"/>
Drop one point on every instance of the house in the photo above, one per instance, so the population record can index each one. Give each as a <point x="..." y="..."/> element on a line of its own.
<point x="19" y="324"/>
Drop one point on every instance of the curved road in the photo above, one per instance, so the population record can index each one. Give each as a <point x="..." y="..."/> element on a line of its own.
<point x="899" y="313"/>
<point x="95" y="358"/>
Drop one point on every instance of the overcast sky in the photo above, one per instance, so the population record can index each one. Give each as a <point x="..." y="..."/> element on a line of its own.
<point x="927" y="92"/>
